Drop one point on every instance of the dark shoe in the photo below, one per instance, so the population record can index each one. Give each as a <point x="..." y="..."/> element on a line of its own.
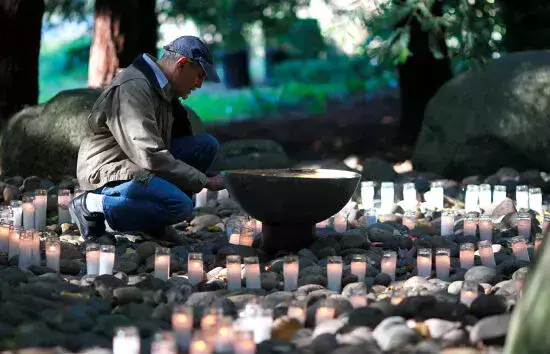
<point x="90" y="225"/>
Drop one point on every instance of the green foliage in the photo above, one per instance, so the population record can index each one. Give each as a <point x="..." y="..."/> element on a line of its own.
<point x="305" y="38"/>
<point x="68" y="9"/>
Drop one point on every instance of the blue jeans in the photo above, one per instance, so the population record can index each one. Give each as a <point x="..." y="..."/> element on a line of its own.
<point x="132" y="206"/>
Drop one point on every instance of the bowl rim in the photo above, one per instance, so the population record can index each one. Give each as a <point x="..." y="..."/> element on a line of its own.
<point x="337" y="174"/>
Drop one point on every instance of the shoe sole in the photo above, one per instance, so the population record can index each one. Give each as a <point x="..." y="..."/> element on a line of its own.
<point x="77" y="217"/>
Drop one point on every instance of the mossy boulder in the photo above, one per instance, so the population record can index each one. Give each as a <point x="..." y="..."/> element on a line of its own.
<point x="251" y="154"/>
<point x="490" y="117"/>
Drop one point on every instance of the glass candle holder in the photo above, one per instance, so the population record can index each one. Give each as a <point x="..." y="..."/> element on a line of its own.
<point x="233" y="266"/>
<point x="437" y="195"/>
<point x="447" y="223"/>
<point x="252" y="272"/>
<point x="389" y="263"/>
<point x="164" y="343"/>
<point x="222" y="195"/>
<point x="195" y="268"/>
<point x="470" y="225"/>
<point x="291" y="268"/>
<point x="499" y="194"/>
<point x="409" y="196"/>
<point x="535" y="200"/>
<point x="519" y="247"/>
<point x="223" y="342"/>
<point x="297" y="309"/>
<point x="442" y="263"/>
<point x="485" y="196"/>
<point x="25" y="249"/>
<point x="324" y="312"/>
<point x="370" y="217"/>
<point x="424" y="262"/>
<point x="17" y="211"/>
<point x="486" y="254"/>
<point x="182" y="325"/>
<point x="468" y="292"/>
<point x="472" y="198"/>
<point x="340" y="222"/>
<point x="367" y="194"/>
<point x="334" y="273"/>
<point x="246" y="237"/>
<point x="28" y="212"/>
<point x="201" y="198"/>
<point x="40" y="209"/>
<point x="5" y="225"/>
<point x="524" y="225"/>
<point x="244" y="342"/>
<point x="106" y="259"/>
<point x="233" y="229"/>
<point x="466" y="255"/>
<point x="93" y="251"/>
<point x="359" y="266"/>
<point x="522" y="197"/>
<point x="162" y="263"/>
<point x="485" y="227"/>
<point x="409" y="219"/>
<point x="63" y="200"/>
<point x="36" y="257"/>
<point x="258" y="319"/>
<point x="126" y="340"/>
<point x="387" y="195"/>
<point x="53" y="253"/>
<point x="358" y="298"/>
<point x="210" y="318"/>
<point x="15" y="233"/>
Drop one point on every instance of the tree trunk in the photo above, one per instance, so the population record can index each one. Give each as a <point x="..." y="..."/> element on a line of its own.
<point x="123" y="29"/>
<point x="20" y="33"/>
<point x="420" y="78"/>
<point x="527" y="25"/>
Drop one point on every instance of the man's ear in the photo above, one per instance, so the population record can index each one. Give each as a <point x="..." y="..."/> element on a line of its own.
<point x="182" y="61"/>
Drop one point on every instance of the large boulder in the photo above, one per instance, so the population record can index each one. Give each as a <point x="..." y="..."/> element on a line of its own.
<point x="486" y="118"/>
<point x="251" y="154"/>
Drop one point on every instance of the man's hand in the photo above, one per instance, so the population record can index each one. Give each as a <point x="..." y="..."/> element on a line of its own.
<point x="215" y="183"/>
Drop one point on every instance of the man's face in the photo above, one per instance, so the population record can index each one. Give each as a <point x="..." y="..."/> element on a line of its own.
<point x="188" y="76"/>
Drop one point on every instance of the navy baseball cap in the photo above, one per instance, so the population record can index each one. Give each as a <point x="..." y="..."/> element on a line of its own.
<point x="194" y="49"/>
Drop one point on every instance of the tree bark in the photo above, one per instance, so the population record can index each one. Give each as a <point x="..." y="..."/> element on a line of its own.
<point x="420" y="78"/>
<point x="20" y="34"/>
<point x="123" y="29"/>
<point x="527" y="25"/>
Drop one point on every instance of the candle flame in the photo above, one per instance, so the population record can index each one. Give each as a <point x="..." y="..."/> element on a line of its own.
<point x="199" y="344"/>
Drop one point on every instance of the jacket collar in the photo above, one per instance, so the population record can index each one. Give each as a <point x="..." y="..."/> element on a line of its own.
<point x="145" y="69"/>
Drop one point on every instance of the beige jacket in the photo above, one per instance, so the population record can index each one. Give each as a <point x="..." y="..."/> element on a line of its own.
<point x="131" y="126"/>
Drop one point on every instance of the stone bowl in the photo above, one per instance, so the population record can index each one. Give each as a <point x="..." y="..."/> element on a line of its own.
<point x="289" y="202"/>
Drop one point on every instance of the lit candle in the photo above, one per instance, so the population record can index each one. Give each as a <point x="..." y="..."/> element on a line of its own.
<point x="297" y="309"/>
<point x="5" y="226"/>
<point x="291" y="267"/>
<point x="92" y="258"/>
<point x="28" y="213"/>
<point x="472" y="197"/>
<point x="470" y="225"/>
<point x="485" y="227"/>
<point x="252" y="272"/>
<point x="258" y="319"/>
<point x="522" y="197"/>
<point x="106" y="259"/>
<point x="223" y="342"/>
<point x="17" y="210"/>
<point x="201" y="198"/>
<point x="162" y="263"/>
<point x="409" y="196"/>
<point x="388" y="263"/>
<point x="36" y="248"/>
<point x="370" y="217"/>
<point x="233" y="229"/>
<point x="359" y="266"/>
<point x="182" y="325"/>
<point x="524" y="225"/>
<point x="233" y="265"/>
<point x="409" y="219"/>
<point x="334" y="273"/>
<point x="340" y="222"/>
<point x="424" y="262"/>
<point x="499" y="194"/>
<point x="76" y="192"/>
<point x="535" y="200"/>
<point x="387" y="195"/>
<point x="447" y="223"/>
<point x="244" y="342"/>
<point x="538" y="240"/>
<point x="324" y="312"/>
<point x="467" y="255"/>
<point x="164" y="343"/>
<point x="63" y="200"/>
<point x="484" y="196"/>
<point x="15" y="233"/>
<point x="486" y="254"/>
<point x="126" y="340"/>
<point x="367" y="194"/>
<point x="358" y="298"/>
<point x="437" y="195"/>
<point x="40" y="208"/>
<point x="25" y="249"/>
<point x="222" y="195"/>
<point x="210" y="318"/>
<point x="247" y="236"/>
<point x="53" y="251"/>
<point x="195" y="268"/>
<point x="519" y="247"/>
<point x="442" y="263"/>
<point x="545" y="223"/>
<point x="468" y="292"/>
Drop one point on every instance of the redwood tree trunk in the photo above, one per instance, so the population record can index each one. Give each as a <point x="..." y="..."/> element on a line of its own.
<point x="20" y="33"/>
<point x="122" y="30"/>
<point x="420" y="78"/>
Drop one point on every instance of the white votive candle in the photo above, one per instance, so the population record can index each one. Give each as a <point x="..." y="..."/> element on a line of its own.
<point x="535" y="200"/>
<point x="485" y="196"/>
<point x="466" y="255"/>
<point x="424" y="262"/>
<point x="367" y="194"/>
<point x="233" y="266"/>
<point x="409" y="219"/>
<point x="359" y="266"/>
<point x="324" y="312"/>
<point x="522" y="197"/>
<point x="25" y="249"/>
<point x="499" y="194"/>
<point x="222" y="195"/>
<point x="437" y="195"/>
<point x="92" y="258"/>
<point x="201" y="198"/>
<point x="358" y="298"/>
<point x="409" y="196"/>
<point x="40" y="209"/>
<point x="524" y="225"/>
<point x="126" y="340"/>
<point x="5" y="226"/>
<point x="106" y="259"/>
<point x="36" y="248"/>
<point x="28" y="213"/>
<point x="468" y="292"/>
<point x="486" y="254"/>
<point x="164" y="343"/>
<point x="519" y="247"/>
<point x="53" y="252"/>
<point x="291" y="268"/>
<point x="15" y="233"/>
<point x="244" y="342"/>
<point x="252" y="272"/>
<point x="223" y="341"/>
<point x="210" y="318"/>
<point x="387" y="195"/>
<point x="340" y="222"/>
<point x="17" y="210"/>
<point x="472" y="197"/>
<point x="470" y="225"/>
<point x="195" y="268"/>
<point x="182" y="325"/>
<point x="447" y="223"/>
<point x="388" y="263"/>
<point x="334" y="273"/>
<point x="485" y="227"/>
<point x="442" y="263"/>
<point x="297" y="309"/>
<point x="162" y="263"/>
<point x="63" y="200"/>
